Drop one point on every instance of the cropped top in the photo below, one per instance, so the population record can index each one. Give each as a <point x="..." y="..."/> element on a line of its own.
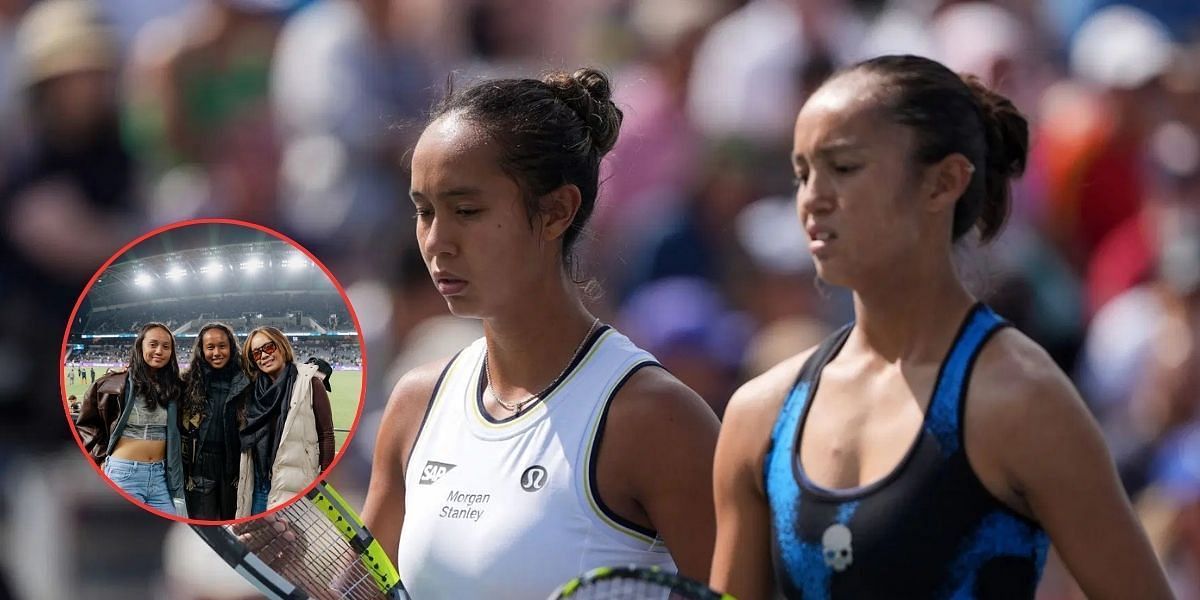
<point x="146" y="423"/>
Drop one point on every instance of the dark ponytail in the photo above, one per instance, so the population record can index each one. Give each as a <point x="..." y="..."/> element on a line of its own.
<point x="957" y="114"/>
<point x="1007" y="148"/>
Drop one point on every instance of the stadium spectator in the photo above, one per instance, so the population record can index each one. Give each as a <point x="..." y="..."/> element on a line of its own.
<point x="1140" y="363"/>
<point x="66" y="196"/>
<point x="683" y="322"/>
<point x="1092" y="141"/>
<point x="202" y="80"/>
<point x="129" y="423"/>
<point x="1171" y="510"/>
<point x="216" y="386"/>
<point x="658" y="151"/>
<point x="287" y="408"/>
<point x="689" y="240"/>
<point x="75" y="169"/>
<point x="344" y="70"/>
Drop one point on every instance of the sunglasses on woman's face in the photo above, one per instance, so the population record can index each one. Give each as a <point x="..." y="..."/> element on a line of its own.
<point x="267" y="348"/>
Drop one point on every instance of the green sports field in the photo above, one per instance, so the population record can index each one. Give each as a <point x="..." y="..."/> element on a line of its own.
<point x="347" y="386"/>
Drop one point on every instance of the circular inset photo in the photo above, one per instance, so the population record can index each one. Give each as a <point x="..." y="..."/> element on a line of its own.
<point x="212" y="371"/>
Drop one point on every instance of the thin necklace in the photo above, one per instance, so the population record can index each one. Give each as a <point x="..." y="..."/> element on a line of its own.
<point x="520" y="405"/>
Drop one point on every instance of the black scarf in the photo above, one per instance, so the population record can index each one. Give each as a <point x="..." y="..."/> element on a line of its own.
<point x="217" y="384"/>
<point x="225" y="372"/>
<point x="265" y="415"/>
<point x="208" y="379"/>
<point x="218" y="378"/>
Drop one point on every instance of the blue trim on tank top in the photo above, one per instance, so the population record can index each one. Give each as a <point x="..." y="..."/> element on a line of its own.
<point x="979" y="322"/>
<point x="804" y="559"/>
<point x="953" y="379"/>
<point x="1002" y="533"/>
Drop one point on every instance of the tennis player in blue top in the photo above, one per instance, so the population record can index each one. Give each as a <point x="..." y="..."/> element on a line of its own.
<point x="926" y="450"/>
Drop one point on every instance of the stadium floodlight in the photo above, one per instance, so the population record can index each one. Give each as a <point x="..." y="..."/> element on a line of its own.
<point x="252" y="264"/>
<point x="295" y="261"/>
<point x="213" y="269"/>
<point x="176" y="272"/>
<point x="142" y="279"/>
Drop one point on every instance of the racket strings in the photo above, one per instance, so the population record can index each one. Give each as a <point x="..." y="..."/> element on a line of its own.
<point x="317" y="558"/>
<point x="624" y="588"/>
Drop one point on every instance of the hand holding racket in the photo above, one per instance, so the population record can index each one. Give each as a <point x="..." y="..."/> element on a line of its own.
<point x="272" y="539"/>
<point x="315" y="547"/>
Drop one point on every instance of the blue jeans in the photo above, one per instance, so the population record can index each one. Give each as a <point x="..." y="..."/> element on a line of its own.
<point x="262" y="487"/>
<point x="145" y="481"/>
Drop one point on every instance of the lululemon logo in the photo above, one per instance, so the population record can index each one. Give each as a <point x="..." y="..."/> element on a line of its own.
<point x="534" y="478"/>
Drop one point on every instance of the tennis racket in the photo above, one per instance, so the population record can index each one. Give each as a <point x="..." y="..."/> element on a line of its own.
<point x="634" y="583"/>
<point x="314" y="548"/>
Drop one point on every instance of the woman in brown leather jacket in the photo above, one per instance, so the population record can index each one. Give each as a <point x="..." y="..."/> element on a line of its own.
<point x="129" y="423"/>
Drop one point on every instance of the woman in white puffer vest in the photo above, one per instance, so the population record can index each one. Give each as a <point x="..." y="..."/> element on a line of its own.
<point x="287" y="428"/>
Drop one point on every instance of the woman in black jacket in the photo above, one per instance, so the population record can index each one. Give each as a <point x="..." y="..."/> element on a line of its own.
<point x="215" y="391"/>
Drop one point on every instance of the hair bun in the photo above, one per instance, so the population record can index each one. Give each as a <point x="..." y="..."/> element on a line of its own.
<point x="595" y="82"/>
<point x="588" y="93"/>
<point x="1007" y="130"/>
<point x="1007" y="134"/>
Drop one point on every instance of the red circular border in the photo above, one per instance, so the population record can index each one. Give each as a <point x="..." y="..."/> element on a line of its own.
<point x="62" y="378"/>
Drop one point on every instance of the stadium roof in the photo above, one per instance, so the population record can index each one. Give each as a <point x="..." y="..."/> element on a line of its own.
<point x="251" y="267"/>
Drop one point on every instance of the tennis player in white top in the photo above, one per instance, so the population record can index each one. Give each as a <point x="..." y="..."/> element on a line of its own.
<point x="553" y="444"/>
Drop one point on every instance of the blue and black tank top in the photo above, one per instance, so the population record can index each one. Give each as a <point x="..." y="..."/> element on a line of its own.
<point x="928" y="529"/>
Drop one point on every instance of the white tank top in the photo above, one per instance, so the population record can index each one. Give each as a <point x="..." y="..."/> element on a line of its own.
<point x="508" y="509"/>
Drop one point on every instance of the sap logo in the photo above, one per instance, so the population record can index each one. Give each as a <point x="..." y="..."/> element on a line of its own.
<point x="433" y="471"/>
<point x="534" y="478"/>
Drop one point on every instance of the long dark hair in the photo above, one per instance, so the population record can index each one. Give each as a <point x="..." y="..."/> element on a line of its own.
<point x="194" y="380"/>
<point x="159" y="387"/>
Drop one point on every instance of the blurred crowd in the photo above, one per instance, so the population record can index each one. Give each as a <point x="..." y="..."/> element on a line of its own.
<point x="240" y="310"/>
<point x="242" y="315"/>
<point x="102" y="354"/>
<point x="338" y="353"/>
<point x="119" y="116"/>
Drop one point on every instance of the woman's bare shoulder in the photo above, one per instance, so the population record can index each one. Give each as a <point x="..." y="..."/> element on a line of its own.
<point x="415" y="388"/>
<point x="1014" y="377"/>
<point x="756" y="403"/>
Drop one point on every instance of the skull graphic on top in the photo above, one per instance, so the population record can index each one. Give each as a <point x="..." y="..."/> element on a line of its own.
<point x="836" y="548"/>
